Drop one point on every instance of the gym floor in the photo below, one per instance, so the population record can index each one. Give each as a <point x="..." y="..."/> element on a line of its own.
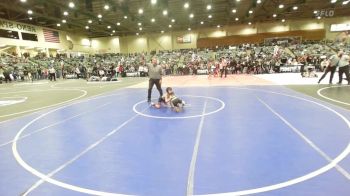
<point x="241" y="135"/>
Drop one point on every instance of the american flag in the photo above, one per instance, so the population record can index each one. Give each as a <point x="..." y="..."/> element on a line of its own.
<point x="51" y="36"/>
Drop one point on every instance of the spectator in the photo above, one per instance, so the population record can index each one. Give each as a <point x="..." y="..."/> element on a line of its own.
<point x="2" y="76"/>
<point x="52" y="73"/>
<point x="121" y="70"/>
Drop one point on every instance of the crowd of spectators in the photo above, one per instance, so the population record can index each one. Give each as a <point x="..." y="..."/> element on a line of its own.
<point x="245" y="58"/>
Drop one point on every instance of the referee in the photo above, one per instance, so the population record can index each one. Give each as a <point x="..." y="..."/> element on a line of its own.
<point x="331" y="67"/>
<point x="155" y="78"/>
<point x="344" y="67"/>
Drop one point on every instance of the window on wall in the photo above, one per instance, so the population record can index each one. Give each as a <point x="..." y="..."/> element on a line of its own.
<point x="29" y="37"/>
<point x="9" y="34"/>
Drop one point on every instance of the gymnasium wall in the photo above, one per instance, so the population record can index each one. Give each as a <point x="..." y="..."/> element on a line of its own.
<point x="210" y="37"/>
<point x="210" y="42"/>
<point x="83" y="44"/>
<point x="16" y="45"/>
<point x="156" y="42"/>
<point x="132" y="44"/>
<point x="334" y="35"/>
<point x="256" y="33"/>
<point x="72" y="42"/>
<point x="160" y="41"/>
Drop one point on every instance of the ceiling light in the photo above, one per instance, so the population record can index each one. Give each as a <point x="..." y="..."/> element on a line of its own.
<point x="258" y="1"/>
<point x="87" y="27"/>
<point x="346" y="2"/>
<point x="238" y="0"/>
<point x="333" y="1"/>
<point x="99" y="16"/>
<point x="210" y="16"/>
<point x="209" y="7"/>
<point x="140" y="28"/>
<point x="250" y="11"/>
<point x="71" y="4"/>
<point x="137" y="34"/>
<point x="118" y="23"/>
<point x="30" y="18"/>
<point x="274" y="15"/>
<point x="237" y="19"/>
<point x="106" y="7"/>
<point x="153" y="2"/>
<point x="283" y="20"/>
<point x="234" y="10"/>
<point x="202" y="22"/>
<point x="111" y="34"/>
<point x="108" y="27"/>
<point x="318" y="17"/>
<point x="295" y="7"/>
<point x="139" y="24"/>
<point x="170" y="26"/>
<point x="162" y="31"/>
<point x="249" y="23"/>
<point x="64" y="21"/>
<point x="140" y="11"/>
<point x="172" y="20"/>
<point x="113" y="31"/>
<point x="125" y="17"/>
<point x="165" y="12"/>
<point x="90" y="21"/>
<point x="65" y="13"/>
<point x="281" y="6"/>
<point x="218" y="26"/>
<point x="153" y="20"/>
<point x="191" y="15"/>
<point x="23" y="1"/>
<point x="186" y="5"/>
<point x="58" y="24"/>
<point x="30" y="12"/>
<point x="189" y="29"/>
<point x="315" y="12"/>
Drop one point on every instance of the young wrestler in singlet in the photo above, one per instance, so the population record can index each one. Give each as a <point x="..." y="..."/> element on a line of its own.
<point x="172" y="100"/>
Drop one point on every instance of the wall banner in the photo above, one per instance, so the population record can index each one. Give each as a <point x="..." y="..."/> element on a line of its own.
<point x="340" y="27"/>
<point x="14" y="26"/>
<point x="283" y="40"/>
<point x="184" y="39"/>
